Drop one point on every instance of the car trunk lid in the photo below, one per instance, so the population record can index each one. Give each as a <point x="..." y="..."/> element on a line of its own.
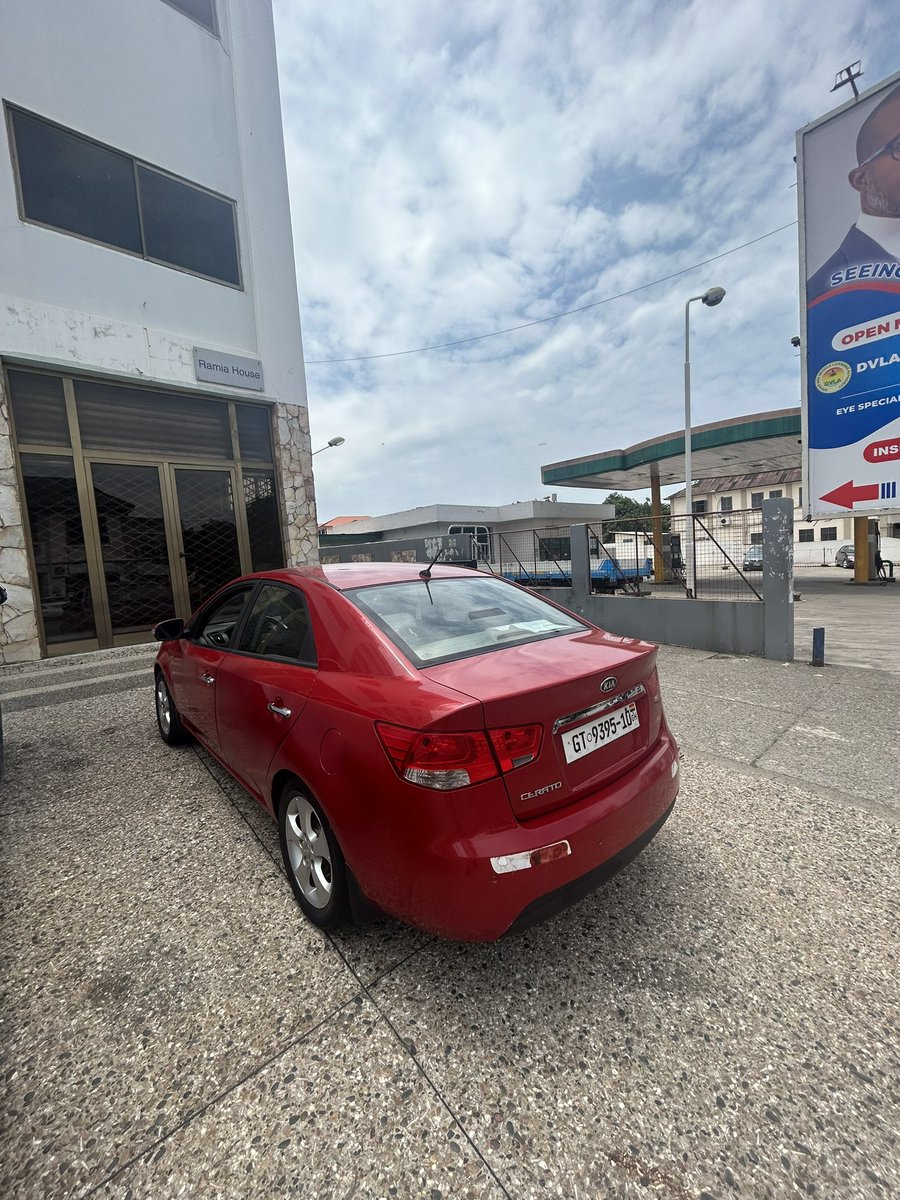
<point x="595" y="696"/>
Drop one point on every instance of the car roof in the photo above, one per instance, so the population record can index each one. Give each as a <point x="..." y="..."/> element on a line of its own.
<point x="365" y="574"/>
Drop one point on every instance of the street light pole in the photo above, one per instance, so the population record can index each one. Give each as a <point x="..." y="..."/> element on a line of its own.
<point x="710" y="298"/>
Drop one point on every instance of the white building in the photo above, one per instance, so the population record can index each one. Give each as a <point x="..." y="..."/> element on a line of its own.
<point x="815" y="542"/>
<point x="530" y="530"/>
<point x="153" y="426"/>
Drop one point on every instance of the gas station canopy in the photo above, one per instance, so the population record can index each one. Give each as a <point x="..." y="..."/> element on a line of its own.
<point x="768" y="441"/>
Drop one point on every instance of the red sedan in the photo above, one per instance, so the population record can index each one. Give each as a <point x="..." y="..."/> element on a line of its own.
<point x="440" y="745"/>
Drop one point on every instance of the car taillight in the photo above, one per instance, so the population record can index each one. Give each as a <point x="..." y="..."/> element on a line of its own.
<point x="447" y="761"/>
<point x="516" y="747"/>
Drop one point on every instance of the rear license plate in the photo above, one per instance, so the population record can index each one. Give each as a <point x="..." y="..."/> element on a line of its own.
<point x="593" y="734"/>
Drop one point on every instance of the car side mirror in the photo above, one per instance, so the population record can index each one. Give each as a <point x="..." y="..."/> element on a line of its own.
<point x="169" y="631"/>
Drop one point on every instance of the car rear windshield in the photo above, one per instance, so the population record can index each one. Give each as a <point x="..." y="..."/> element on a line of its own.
<point x="442" y="619"/>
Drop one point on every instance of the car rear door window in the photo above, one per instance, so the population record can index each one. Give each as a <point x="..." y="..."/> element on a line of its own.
<point x="278" y="626"/>
<point x="218" y="625"/>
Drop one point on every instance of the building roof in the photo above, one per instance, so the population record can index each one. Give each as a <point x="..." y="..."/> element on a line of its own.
<point x="767" y="441"/>
<point x="737" y="483"/>
<point x="534" y="512"/>
<point x="329" y="525"/>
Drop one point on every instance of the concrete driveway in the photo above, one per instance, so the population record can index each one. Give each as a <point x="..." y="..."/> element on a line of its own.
<point x="720" y="1021"/>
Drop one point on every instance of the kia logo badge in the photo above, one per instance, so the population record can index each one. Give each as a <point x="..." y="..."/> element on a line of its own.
<point x="608" y="683"/>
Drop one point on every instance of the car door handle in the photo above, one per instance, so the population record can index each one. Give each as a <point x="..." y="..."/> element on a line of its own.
<point x="279" y="712"/>
<point x="208" y="678"/>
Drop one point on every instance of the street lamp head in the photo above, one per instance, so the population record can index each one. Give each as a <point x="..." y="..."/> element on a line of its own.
<point x="714" y="296"/>
<point x="335" y="441"/>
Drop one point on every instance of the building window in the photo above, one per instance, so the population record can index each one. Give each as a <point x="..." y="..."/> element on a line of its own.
<point x="553" y="549"/>
<point x="756" y="499"/>
<point x="775" y="495"/>
<point x="201" y="11"/>
<point x="725" y="504"/>
<point x="699" y="506"/>
<point x="800" y="497"/>
<point x="755" y="539"/>
<point x="828" y="533"/>
<point x="75" y="185"/>
<point x="807" y="535"/>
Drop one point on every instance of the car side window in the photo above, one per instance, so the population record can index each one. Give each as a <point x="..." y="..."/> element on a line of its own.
<point x="279" y="626"/>
<point x="218" y="625"/>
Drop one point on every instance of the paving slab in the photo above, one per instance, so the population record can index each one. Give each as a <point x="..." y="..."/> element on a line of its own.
<point x="151" y="957"/>
<point x="720" y="1021"/>
<point x="833" y="727"/>
<point x="343" y="1112"/>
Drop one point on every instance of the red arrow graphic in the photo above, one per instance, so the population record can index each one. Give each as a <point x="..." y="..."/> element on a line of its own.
<point x="848" y="493"/>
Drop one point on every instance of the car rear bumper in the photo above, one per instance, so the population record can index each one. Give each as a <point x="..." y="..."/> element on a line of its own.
<point x="551" y="903"/>
<point x="455" y="891"/>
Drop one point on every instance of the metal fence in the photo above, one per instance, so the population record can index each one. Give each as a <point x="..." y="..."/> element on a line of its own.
<point x="535" y="557"/>
<point x="727" y="552"/>
<point x="630" y="557"/>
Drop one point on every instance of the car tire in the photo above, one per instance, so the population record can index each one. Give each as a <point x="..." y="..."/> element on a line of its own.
<point x="312" y="859"/>
<point x="171" y="730"/>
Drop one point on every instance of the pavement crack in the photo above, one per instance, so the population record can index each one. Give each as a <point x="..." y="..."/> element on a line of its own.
<point x="196" y="1113"/>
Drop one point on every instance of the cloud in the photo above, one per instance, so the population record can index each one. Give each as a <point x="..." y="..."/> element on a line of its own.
<point x="461" y="168"/>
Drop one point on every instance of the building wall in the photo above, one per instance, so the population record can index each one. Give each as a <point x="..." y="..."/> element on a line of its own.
<point x="145" y="79"/>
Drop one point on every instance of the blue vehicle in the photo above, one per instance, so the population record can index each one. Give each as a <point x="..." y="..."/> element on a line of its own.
<point x="606" y="576"/>
<point x="610" y="574"/>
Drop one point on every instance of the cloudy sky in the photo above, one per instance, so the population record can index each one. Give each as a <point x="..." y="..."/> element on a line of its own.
<point x="457" y="169"/>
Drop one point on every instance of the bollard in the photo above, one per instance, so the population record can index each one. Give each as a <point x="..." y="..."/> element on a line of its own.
<point x="818" y="654"/>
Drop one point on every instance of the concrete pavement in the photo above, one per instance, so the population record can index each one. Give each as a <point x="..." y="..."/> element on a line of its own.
<point x="861" y="622"/>
<point x="718" y="1021"/>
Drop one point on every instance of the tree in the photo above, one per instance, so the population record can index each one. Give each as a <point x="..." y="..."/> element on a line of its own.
<point x="636" y="514"/>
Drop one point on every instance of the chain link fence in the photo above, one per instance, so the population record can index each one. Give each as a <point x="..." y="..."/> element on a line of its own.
<point x="632" y="557"/>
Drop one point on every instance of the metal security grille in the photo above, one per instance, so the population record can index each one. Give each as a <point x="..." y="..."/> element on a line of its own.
<point x="208" y="530"/>
<point x="140" y="421"/>
<point x="133" y="547"/>
<point x="39" y="408"/>
<point x="57" y="542"/>
<point x="266" y="552"/>
<point x="254" y="432"/>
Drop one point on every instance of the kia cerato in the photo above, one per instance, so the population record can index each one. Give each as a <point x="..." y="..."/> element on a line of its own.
<point x="437" y="744"/>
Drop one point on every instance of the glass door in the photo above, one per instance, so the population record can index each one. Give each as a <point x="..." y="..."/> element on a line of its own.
<point x="210" y="546"/>
<point x="133" y="546"/>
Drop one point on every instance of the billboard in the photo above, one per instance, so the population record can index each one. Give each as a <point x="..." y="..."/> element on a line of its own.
<point x="849" y="196"/>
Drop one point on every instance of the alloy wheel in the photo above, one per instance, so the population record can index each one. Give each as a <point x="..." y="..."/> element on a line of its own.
<point x="308" y="851"/>
<point x="163" y="705"/>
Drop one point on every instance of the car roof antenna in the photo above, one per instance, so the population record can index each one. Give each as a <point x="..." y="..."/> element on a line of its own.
<point x="426" y="574"/>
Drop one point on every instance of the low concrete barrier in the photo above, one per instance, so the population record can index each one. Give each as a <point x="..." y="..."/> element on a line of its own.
<point x="726" y="626"/>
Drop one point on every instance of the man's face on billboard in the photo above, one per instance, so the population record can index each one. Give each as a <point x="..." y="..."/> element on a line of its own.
<point x="877" y="178"/>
